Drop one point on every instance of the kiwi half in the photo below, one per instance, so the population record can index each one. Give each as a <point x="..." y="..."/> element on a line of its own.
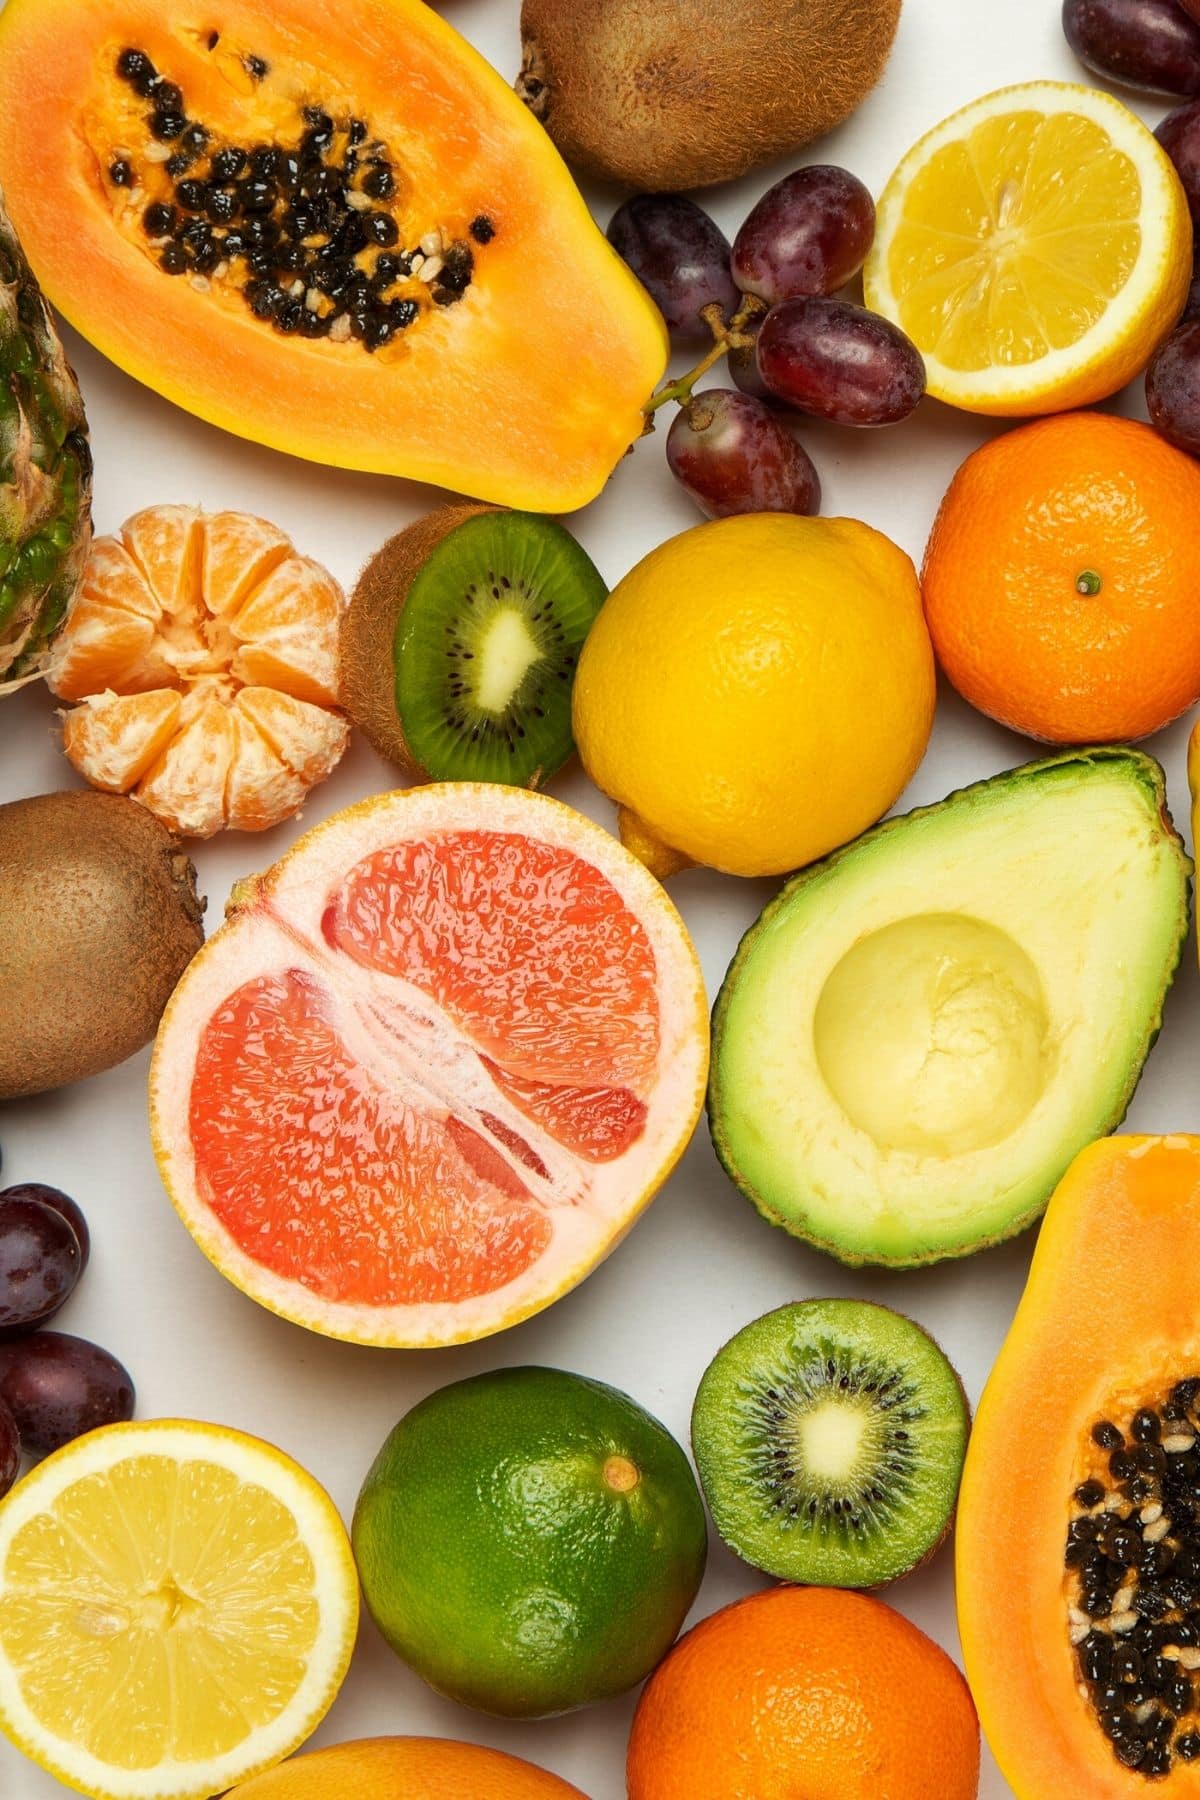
<point x="458" y="650"/>
<point x="830" y="1437"/>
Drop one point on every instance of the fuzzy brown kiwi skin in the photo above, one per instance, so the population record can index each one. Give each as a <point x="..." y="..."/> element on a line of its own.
<point x="665" y="97"/>
<point x="99" y="917"/>
<point x="366" y="640"/>
<point x="873" y="1587"/>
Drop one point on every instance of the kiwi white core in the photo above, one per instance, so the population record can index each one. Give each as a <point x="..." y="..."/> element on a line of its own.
<point x="508" y="652"/>
<point x="933" y="1034"/>
<point x="831" y="1441"/>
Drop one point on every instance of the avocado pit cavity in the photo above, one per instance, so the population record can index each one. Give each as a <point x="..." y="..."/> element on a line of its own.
<point x="933" y="1034"/>
<point x="1132" y="1586"/>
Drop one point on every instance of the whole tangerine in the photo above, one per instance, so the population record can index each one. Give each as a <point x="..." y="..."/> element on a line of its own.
<point x="812" y="1692"/>
<point x="1061" y="580"/>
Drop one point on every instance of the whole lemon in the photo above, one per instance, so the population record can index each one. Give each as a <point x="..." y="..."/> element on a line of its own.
<point x="756" y="692"/>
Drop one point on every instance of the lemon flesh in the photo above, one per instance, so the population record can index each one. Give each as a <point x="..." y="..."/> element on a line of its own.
<point x="1036" y="247"/>
<point x="177" y="1607"/>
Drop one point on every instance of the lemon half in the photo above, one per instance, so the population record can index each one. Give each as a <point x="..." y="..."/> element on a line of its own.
<point x="1036" y="246"/>
<point x="178" y="1605"/>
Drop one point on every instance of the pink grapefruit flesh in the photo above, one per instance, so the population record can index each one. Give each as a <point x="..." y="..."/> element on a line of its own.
<point x="433" y="1066"/>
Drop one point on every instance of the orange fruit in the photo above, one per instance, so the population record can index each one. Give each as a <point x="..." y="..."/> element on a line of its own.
<point x="1061" y="578"/>
<point x="203" y="652"/>
<point x="406" y="1768"/>
<point x="433" y="1066"/>
<point x="805" y="1694"/>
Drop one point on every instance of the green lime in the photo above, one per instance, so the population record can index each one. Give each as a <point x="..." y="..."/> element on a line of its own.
<point x="530" y="1541"/>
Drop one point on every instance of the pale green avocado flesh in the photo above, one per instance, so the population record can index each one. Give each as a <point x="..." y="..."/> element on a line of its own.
<point x="921" y="1032"/>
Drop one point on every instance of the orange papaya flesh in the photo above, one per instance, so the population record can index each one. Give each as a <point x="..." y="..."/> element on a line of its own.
<point x="1078" y="1576"/>
<point x="415" y="287"/>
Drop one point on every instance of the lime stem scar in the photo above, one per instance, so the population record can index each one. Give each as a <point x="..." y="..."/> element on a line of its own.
<point x="621" y="1475"/>
<point x="1087" y="582"/>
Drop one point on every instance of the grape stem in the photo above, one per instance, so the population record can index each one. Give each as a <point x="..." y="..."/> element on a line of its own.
<point x="726" y="337"/>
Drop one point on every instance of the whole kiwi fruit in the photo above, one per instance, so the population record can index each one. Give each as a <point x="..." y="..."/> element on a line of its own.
<point x="670" y="94"/>
<point x="99" y="917"/>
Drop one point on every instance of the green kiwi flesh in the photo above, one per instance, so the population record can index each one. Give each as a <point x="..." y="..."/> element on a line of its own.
<point x="458" y="650"/>
<point x="829" y="1436"/>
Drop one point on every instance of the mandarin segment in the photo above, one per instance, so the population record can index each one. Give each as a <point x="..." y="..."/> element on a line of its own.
<point x="203" y="650"/>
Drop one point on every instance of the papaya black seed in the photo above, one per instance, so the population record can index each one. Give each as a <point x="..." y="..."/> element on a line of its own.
<point x="1107" y="1436"/>
<point x="192" y="196"/>
<point x="135" y="67"/>
<point x="379" y="182"/>
<point x="173" y="259"/>
<point x="221" y="206"/>
<point x="167" y="97"/>
<point x="120" y="173"/>
<point x="227" y="164"/>
<point x="256" y="67"/>
<point x="287" y="318"/>
<point x="381" y="229"/>
<point x="482" y="229"/>
<point x="158" y="220"/>
<point x="167" y="126"/>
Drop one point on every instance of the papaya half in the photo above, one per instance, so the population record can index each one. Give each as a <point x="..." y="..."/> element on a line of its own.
<point x="1078" y="1542"/>
<point x="337" y="232"/>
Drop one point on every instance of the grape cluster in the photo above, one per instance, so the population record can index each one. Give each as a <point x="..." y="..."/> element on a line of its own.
<point x="52" y="1387"/>
<point x="769" y="302"/>
<point x="1173" y="377"/>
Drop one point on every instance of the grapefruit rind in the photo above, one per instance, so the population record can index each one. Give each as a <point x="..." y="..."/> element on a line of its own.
<point x="335" y="1588"/>
<point x="298" y="886"/>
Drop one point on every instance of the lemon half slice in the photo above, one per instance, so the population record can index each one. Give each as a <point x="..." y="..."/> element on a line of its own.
<point x="1036" y="246"/>
<point x="178" y="1605"/>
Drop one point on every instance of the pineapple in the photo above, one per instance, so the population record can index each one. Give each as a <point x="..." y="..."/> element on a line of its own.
<point x="45" y="472"/>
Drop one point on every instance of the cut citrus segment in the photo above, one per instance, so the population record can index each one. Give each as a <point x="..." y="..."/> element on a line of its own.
<point x="202" y="650"/>
<point x="1035" y="246"/>
<point x="434" y="1065"/>
<point x="178" y="1606"/>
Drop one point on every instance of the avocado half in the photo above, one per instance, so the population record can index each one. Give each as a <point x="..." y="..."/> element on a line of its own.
<point x="921" y="1031"/>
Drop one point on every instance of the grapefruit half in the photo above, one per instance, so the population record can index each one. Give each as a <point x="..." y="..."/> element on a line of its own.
<point x="433" y="1066"/>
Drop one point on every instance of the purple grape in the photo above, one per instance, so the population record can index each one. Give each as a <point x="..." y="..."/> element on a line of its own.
<point x="809" y="234"/>
<point x="40" y="1264"/>
<point x="840" y="362"/>
<point x="57" y="1387"/>
<point x="1191" y="306"/>
<point x="1150" y="45"/>
<point x="1179" y="135"/>
<point x="10" y="1449"/>
<point x="58" y="1202"/>
<point x="680" y="257"/>
<point x="743" y="366"/>
<point x="1173" y="388"/>
<point x="733" y="456"/>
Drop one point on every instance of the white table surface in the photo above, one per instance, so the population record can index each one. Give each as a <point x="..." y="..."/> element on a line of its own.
<point x="701" y="1263"/>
